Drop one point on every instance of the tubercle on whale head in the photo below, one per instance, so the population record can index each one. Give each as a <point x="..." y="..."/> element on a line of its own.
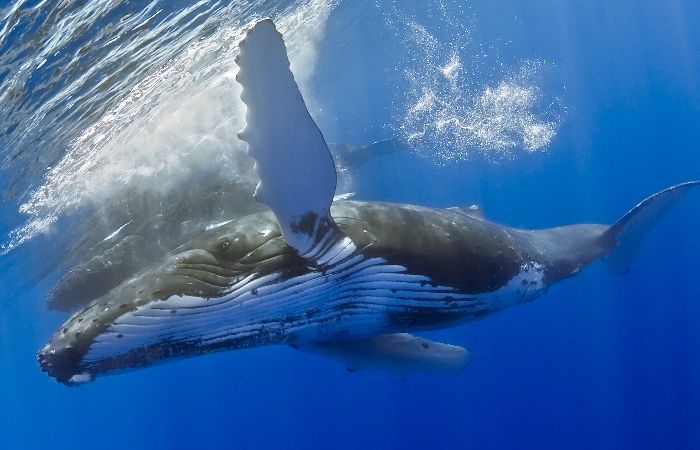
<point x="63" y="364"/>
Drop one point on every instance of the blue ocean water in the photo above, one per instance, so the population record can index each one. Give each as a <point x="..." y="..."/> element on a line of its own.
<point x="544" y="112"/>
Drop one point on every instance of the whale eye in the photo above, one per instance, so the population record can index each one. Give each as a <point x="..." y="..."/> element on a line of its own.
<point x="224" y="244"/>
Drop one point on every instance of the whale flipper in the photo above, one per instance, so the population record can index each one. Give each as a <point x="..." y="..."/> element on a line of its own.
<point x="401" y="353"/>
<point x="627" y="234"/>
<point x="292" y="160"/>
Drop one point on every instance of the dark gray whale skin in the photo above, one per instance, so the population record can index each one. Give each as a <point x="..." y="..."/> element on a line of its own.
<point x="471" y="257"/>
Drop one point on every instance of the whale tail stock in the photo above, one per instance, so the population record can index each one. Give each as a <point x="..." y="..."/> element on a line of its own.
<point x="624" y="238"/>
<point x="566" y="250"/>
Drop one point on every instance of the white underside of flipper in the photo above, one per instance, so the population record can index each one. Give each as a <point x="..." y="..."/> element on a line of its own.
<point x="400" y="353"/>
<point x="296" y="170"/>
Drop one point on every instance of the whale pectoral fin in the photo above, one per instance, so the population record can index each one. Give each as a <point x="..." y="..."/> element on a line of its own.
<point x="400" y="353"/>
<point x="296" y="169"/>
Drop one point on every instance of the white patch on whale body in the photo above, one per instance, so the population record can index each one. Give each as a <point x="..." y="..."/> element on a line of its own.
<point x="81" y="378"/>
<point x="217" y="225"/>
<point x="117" y="231"/>
<point x="523" y="287"/>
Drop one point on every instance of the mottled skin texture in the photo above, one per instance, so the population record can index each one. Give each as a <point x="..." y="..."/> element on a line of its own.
<point x="450" y="247"/>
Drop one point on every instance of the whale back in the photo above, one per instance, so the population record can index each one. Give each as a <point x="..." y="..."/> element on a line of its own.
<point x="451" y="248"/>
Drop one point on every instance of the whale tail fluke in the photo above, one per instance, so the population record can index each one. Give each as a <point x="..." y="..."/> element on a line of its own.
<point x="625" y="236"/>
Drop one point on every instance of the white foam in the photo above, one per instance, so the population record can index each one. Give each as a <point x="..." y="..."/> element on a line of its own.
<point x="172" y="127"/>
<point x="447" y="113"/>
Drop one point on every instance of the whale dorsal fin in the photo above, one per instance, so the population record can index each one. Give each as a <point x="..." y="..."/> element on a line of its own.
<point x="292" y="160"/>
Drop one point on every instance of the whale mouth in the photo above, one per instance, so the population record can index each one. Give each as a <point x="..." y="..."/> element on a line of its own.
<point x="70" y="355"/>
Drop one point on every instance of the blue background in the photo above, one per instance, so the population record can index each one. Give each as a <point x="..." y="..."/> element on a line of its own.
<point x="601" y="361"/>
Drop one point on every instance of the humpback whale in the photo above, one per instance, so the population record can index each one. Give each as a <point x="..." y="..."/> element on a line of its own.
<point x="349" y="280"/>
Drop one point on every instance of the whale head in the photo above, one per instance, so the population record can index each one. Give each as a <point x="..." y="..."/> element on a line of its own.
<point x="174" y="308"/>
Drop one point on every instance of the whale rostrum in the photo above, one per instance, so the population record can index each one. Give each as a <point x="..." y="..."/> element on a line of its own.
<point x="348" y="280"/>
